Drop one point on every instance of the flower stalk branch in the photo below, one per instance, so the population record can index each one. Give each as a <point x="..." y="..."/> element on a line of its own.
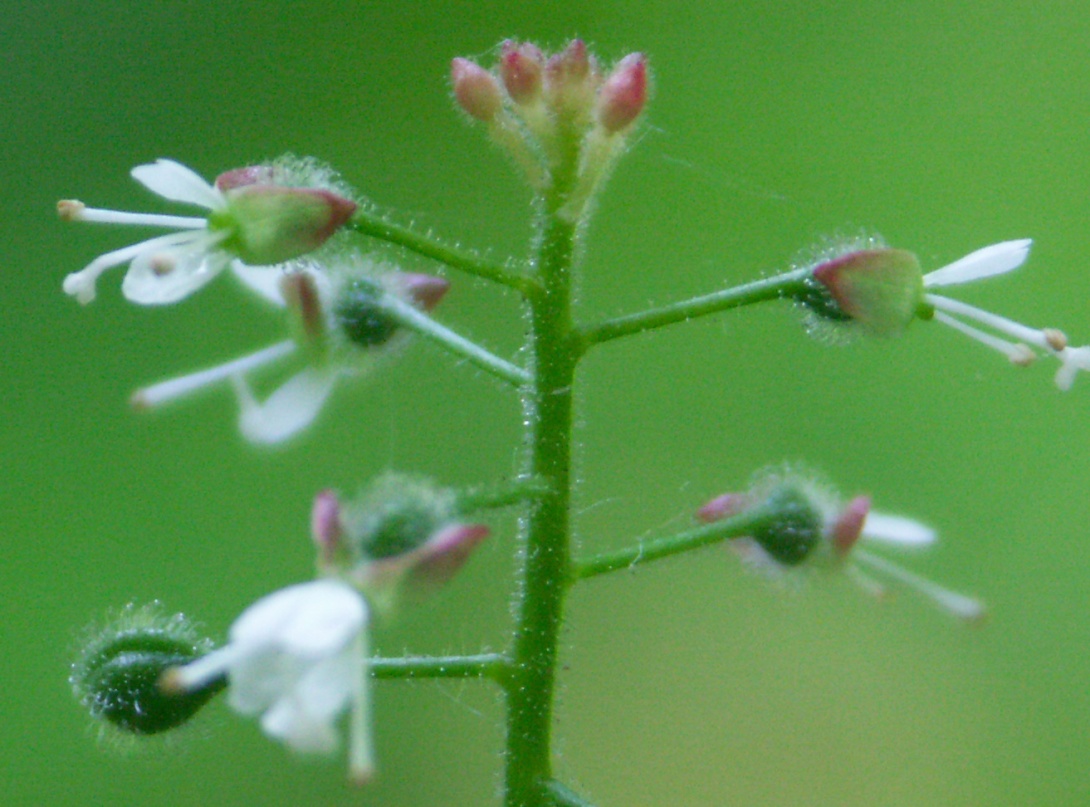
<point x="646" y="551"/>
<point x="374" y="226"/>
<point x="785" y="286"/>
<point x="427" y="327"/>
<point x="483" y="665"/>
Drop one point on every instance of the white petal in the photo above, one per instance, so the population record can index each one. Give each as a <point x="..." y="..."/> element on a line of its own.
<point x="897" y="530"/>
<point x="289" y="723"/>
<point x="993" y="260"/>
<point x="261" y="676"/>
<point x="288" y="410"/>
<point x="81" y="284"/>
<point x="192" y="263"/>
<point x="264" y="281"/>
<point x="959" y="605"/>
<point x="1072" y="359"/>
<point x="325" y="689"/>
<point x="316" y="618"/>
<point x="174" y="181"/>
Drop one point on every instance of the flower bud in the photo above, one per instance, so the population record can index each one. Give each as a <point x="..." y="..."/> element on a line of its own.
<point x="271" y="224"/>
<point x="117" y="676"/>
<point x="521" y="66"/>
<point x="404" y="533"/>
<point x="475" y="89"/>
<point x="624" y="93"/>
<point x="880" y="289"/>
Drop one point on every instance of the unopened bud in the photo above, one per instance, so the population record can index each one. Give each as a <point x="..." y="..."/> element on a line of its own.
<point x="624" y="93"/>
<point x="475" y="89"/>
<point x="273" y="224"/>
<point x="879" y="289"/>
<point x="521" y="66"/>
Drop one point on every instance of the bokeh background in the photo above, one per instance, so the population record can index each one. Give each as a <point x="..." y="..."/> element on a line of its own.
<point x="944" y="126"/>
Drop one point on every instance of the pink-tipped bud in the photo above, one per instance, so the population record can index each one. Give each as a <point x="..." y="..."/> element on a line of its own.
<point x="426" y="291"/>
<point x="273" y="224"/>
<point x="624" y="93"/>
<point x="475" y="89"/>
<point x="248" y="175"/>
<point x="326" y="527"/>
<point x="729" y="504"/>
<point x="521" y="66"/>
<point x="300" y="292"/>
<point x="880" y="289"/>
<point x="443" y="556"/>
<point x="848" y="526"/>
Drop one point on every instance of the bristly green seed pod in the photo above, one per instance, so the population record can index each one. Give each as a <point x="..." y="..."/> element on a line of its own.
<point x="360" y="315"/>
<point x="796" y="532"/>
<point x="116" y="676"/>
<point x="397" y="514"/>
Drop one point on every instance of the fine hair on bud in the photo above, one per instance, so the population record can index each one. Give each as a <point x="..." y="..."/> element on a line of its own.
<point x="821" y="315"/>
<point x="117" y="674"/>
<point x="395" y="514"/>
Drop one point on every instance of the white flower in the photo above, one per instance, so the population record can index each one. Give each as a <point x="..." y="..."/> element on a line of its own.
<point x="249" y="217"/>
<point x="1017" y="342"/>
<point x="298" y="658"/>
<point x="814" y="529"/>
<point x="341" y="327"/>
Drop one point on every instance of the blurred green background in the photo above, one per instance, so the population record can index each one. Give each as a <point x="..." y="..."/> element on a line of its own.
<point x="945" y="126"/>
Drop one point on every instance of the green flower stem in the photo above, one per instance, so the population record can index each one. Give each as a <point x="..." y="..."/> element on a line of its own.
<point x="484" y="665"/>
<point x="375" y="226"/>
<point x="647" y="551"/>
<point x="772" y="288"/>
<point x="547" y="406"/>
<point x="500" y="494"/>
<point x="427" y="327"/>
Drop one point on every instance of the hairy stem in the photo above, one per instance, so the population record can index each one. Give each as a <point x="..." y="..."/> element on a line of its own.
<point x="417" y="320"/>
<point x="375" y="226"/>
<point x="484" y="665"/>
<point x="647" y="551"/>
<point x="547" y="529"/>
<point x="790" y="284"/>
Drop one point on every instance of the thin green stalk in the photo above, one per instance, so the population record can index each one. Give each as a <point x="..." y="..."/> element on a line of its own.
<point x="427" y="327"/>
<point x="501" y="494"/>
<point x="772" y="288"/>
<point x="658" y="548"/>
<point x="483" y="665"/>
<point x="547" y="529"/>
<point x="375" y="226"/>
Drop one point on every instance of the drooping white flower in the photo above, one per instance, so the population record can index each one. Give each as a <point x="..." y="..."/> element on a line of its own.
<point x="250" y="216"/>
<point x="816" y="530"/>
<point x="298" y="658"/>
<point x="884" y="290"/>
<point x="340" y="327"/>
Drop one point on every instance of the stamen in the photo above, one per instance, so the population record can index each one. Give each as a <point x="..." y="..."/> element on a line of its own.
<point x="200" y="672"/>
<point x="1019" y="354"/>
<point x="178" y="387"/>
<point x="1001" y="324"/>
<point x="162" y="265"/>
<point x="361" y="764"/>
<point x="73" y="210"/>
<point x="70" y="209"/>
<point x="1055" y="338"/>
<point x="959" y="605"/>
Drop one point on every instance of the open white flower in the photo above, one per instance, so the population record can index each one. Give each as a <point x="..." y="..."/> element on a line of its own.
<point x="883" y="290"/>
<point x="816" y="530"/>
<point x="341" y="328"/>
<point x="298" y="658"/>
<point x="250" y="216"/>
